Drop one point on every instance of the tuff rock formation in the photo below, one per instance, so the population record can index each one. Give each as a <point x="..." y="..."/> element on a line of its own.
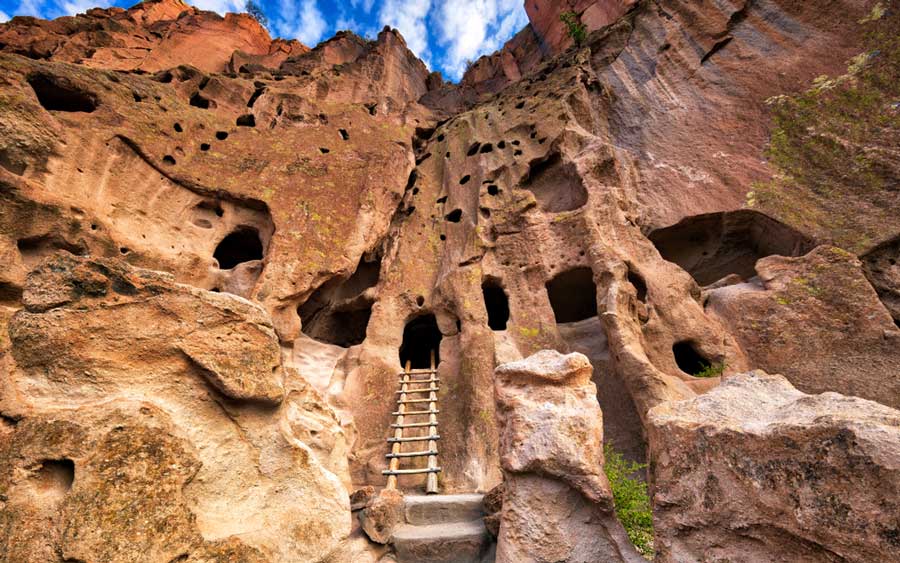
<point x="228" y="245"/>
<point x="557" y="504"/>
<point x="756" y="470"/>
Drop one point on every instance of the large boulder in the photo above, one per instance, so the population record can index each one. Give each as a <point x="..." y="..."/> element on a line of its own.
<point x="756" y="470"/>
<point x="152" y="421"/>
<point x="557" y="503"/>
<point x="817" y="320"/>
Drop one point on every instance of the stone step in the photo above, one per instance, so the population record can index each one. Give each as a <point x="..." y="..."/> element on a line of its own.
<point x="456" y="542"/>
<point x="422" y="510"/>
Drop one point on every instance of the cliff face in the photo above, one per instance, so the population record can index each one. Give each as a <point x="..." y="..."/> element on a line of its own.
<point x="611" y="198"/>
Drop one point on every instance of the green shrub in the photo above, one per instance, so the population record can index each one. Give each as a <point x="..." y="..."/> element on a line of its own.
<point x="714" y="370"/>
<point x="574" y="28"/>
<point x="631" y="499"/>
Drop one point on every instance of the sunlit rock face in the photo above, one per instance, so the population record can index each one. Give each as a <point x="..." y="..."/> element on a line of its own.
<point x="229" y="245"/>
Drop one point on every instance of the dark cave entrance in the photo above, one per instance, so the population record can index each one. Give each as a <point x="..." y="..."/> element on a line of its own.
<point x="338" y="311"/>
<point x="241" y="245"/>
<point x="59" y="94"/>
<point x="714" y="245"/>
<point x="688" y="358"/>
<point x="420" y="336"/>
<point x="496" y="303"/>
<point x="573" y="295"/>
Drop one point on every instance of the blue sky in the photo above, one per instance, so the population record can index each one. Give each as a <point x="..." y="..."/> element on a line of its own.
<point x="443" y="33"/>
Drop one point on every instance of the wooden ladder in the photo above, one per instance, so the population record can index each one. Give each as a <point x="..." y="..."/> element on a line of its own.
<point x="410" y="395"/>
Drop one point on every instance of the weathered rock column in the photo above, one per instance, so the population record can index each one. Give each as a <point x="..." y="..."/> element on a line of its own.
<point x="557" y="504"/>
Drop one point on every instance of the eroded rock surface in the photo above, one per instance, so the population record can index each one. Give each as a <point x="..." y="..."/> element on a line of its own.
<point x="756" y="470"/>
<point x="157" y="421"/>
<point x="557" y="504"/>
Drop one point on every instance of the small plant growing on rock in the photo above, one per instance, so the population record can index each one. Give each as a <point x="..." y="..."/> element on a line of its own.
<point x="632" y="503"/>
<point x="574" y="28"/>
<point x="714" y="370"/>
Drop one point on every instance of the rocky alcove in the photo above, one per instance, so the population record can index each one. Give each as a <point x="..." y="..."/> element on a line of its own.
<point x="573" y="295"/>
<point x="239" y="246"/>
<point x="421" y="336"/>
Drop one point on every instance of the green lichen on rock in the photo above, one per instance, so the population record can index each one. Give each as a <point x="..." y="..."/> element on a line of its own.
<point x="834" y="146"/>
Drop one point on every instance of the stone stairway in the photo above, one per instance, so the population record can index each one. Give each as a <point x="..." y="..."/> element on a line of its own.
<point x="443" y="529"/>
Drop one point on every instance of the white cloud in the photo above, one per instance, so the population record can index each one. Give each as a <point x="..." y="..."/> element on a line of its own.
<point x="300" y="19"/>
<point x="3" y="17"/>
<point x="31" y="8"/>
<point x="471" y="28"/>
<point x="72" y="7"/>
<point x="220" y="6"/>
<point x="366" y="5"/>
<point x="408" y="16"/>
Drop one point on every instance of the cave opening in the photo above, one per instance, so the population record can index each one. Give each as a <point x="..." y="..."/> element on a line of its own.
<point x="58" y="94"/>
<point x="241" y="245"/>
<point x="420" y="336"/>
<point x="56" y="475"/>
<point x="573" y="295"/>
<point x="714" y="245"/>
<point x="556" y="185"/>
<point x="688" y="358"/>
<point x="496" y="303"/>
<point x="639" y="284"/>
<point x="338" y="312"/>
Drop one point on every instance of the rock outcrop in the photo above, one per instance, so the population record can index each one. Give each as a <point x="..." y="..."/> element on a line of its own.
<point x="147" y="420"/>
<point x="557" y="504"/>
<point x="755" y="470"/>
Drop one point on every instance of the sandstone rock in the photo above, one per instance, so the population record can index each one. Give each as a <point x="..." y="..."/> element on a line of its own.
<point x="796" y="319"/>
<point x="493" y="505"/>
<point x="552" y="456"/>
<point x="755" y="470"/>
<point x="382" y="515"/>
<point x="133" y="450"/>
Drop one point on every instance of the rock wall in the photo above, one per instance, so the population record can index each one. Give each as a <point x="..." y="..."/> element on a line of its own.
<point x="645" y="198"/>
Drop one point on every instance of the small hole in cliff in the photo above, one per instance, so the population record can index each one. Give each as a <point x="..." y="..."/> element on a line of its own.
<point x="443" y="237"/>
<point x="573" y="295"/>
<point x="421" y="336"/>
<point x="493" y="190"/>
<point x="486" y="148"/>
<point x="204" y="146"/>
<point x="533" y="134"/>
<point x="344" y="135"/>
<point x="55" y="476"/>
<point x="177" y="128"/>
<point x="454" y="216"/>
<point x="464" y="180"/>
<point x="501" y="145"/>
<point x="60" y="94"/>
<point x="169" y="159"/>
<point x="517" y="153"/>
<point x="473" y="149"/>
<point x="124" y="250"/>
<point x="520" y="105"/>
<point x="198" y="101"/>
<point x="542" y="140"/>
<point x="420" y="300"/>
<point x="423" y="158"/>
<point x="556" y="184"/>
<point x="442" y="199"/>
<point x="93" y="227"/>
<point x="221" y="135"/>
<point x="447" y="154"/>
<point x="638" y="282"/>
<point x="688" y="359"/>
<point x="496" y="303"/>
<point x="415" y="191"/>
<point x="323" y="150"/>
<point x="440" y="137"/>
<point x="242" y="245"/>
<point x="485" y="212"/>
<point x="246" y="120"/>
<point x="137" y="97"/>
<point x="516" y="143"/>
<point x="372" y="108"/>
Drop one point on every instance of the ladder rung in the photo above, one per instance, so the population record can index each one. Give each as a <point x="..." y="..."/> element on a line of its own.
<point x="426" y="390"/>
<point x="414" y="425"/>
<point x="420" y="381"/>
<point x="404" y="401"/>
<point x="417" y="372"/>
<point x="413" y="439"/>
<point x="411" y="471"/>
<point x="412" y="454"/>
<point x="414" y="413"/>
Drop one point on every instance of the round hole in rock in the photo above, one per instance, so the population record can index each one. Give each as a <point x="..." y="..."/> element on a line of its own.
<point x="420" y="301"/>
<point x="473" y="149"/>
<point x="124" y="250"/>
<point x="421" y="336"/>
<point x="443" y="237"/>
<point x="55" y="476"/>
<point x="198" y="101"/>
<point x="454" y="216"/>
<point x="501" y="145"/>
<point x="688" y="358"/>
<point x="493" y="190"/>
<point x="464" y="180"/>
<point x="573" y="295"/>
<point x="440" y="137"/>
<point x="323" y="150"/>
<point x="204" y="146"/>
<point x="344" y="135"/>
<point x="486" y="148"/>
<point x="221" y="135"/>
<point x="246" y="120"/>
<point x="496" y="304"/>
<point x="241" y="245"/>
<point x="169" y="159"/>
<point x="177" y="128"/>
